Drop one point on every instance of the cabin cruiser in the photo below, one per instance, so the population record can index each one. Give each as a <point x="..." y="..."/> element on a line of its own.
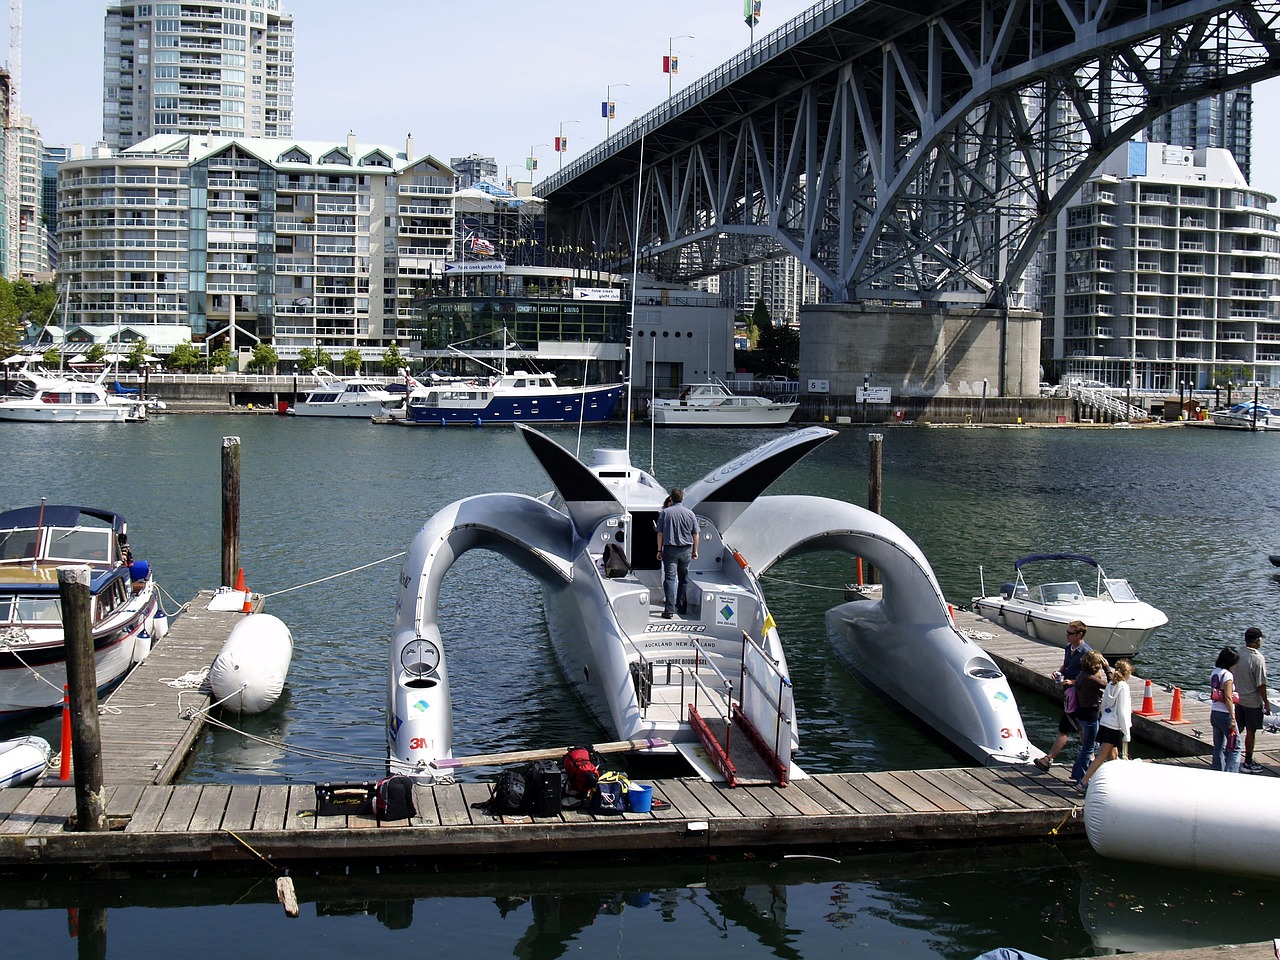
<point x="353" y="397"/>
<point x="715" y="405"/>
<point x="1118" y="622"/>
<point x="592" y="545"/>
<point x="519" y="397"/>
<point x="1249" y="415"/>
<point x="125" y="611"/>
<point x="56" y="397"/>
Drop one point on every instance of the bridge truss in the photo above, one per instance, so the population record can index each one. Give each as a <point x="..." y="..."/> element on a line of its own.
<point x="908" y="150"/>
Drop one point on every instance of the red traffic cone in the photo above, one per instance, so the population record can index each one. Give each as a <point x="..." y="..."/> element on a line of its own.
<point x="1175" y="711"/>
<point x="1149" y="703"/>
<point x="248" y="601"/>
<point x="240" y="579"/>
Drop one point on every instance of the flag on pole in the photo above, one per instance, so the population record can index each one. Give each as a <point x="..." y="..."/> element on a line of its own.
<point x="670" y="64"/>
<point x="562" y="144"/>
<point x="531" y="163"/>
<point x="751" y="12"/>
<point x="606" y="109"/>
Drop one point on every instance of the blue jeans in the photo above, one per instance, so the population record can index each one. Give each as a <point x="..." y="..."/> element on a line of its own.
<point x="1088" y="744"/>
<point x="1223" y="759"/>
<point x="675" y="577"/>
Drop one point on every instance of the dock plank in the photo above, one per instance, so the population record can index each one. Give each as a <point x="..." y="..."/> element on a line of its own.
<point x="270" y="806"/>
<point x="56" y="814"/>
<point x="27" y="811"/>
<point x="925" y="788"/>
<point x="300" y="814"/>
<point x="883" y="801"/>
<point x="903" y="793"/>
<point x="146" y="816"/>
<point x="211" y="807"/>
<point x="453" y="807"/>
<point x="818" y="792"/>
<point x="179" y="810"/>
<point x="968" y="789"/>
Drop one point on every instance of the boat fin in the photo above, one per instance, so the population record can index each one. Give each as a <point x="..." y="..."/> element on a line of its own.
<point x="587" y="500"/>
<point x="726" y="492"/>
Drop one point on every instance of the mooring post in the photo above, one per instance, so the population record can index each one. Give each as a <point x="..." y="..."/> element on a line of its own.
<point x="875" y="452"/>
<point x="82" y="685"/>
<point x="230" y="509"/>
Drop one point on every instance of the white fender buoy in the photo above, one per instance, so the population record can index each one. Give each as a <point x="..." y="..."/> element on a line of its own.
<point x="23" y="760"/>
<point x="1184" y="817"/>
<point x="141" y="645"/>
<point x="249" y="671"/>
<point x="159" y="625"/>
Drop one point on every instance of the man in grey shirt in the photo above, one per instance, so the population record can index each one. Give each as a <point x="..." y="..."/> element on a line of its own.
<point x="1251" y="685"/>
<point x="677" y="546"/>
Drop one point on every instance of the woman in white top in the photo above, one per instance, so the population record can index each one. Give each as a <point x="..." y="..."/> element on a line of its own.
<point x="1222" y="713"/>
<point x="1114" y="720"/>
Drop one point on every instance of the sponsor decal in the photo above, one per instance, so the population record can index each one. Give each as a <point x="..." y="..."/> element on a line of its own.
<point x="727" y="610"/>
<point x="422" y="706"/>
<point x="675" y="628"/>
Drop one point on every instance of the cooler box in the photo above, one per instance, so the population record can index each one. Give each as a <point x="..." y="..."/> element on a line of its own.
<point x="546" y="787"/>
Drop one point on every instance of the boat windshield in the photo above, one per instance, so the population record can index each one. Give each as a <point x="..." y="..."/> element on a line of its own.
<point x="36" y="610"/>
<point x="18" y="544"/>
<point x="80" y="543"/>
<point x="1121" y="591"/>
<point x="1068" y="591"/>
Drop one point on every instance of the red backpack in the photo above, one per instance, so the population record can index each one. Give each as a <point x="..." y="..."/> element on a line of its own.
<point x="582" y="768"/>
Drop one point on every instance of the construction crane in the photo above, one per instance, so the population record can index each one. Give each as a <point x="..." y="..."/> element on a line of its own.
<point x="12" y="148"/>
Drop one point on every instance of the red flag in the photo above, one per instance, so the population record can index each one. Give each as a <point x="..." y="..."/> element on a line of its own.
<point x="666" y="64"/>
<point x="562" y="144"/>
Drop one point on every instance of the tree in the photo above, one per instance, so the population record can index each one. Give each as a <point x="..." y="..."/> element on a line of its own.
<point x="138" y="354"/>
<point x="393" y="360"/>
<point x="220" y="358"/>
<point x="96" y="353"/>
<point x="264" y="358"/>
<point x="185" y="357"/>
<point x="312" y="357"/>
<point x="352" y="361"/>
<point x="52" y="357"/>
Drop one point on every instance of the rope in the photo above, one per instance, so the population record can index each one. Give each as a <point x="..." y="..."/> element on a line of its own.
<point x="246" y="845"/>
<point x="190" y="680"/>
<point x="344" y="573"/>
<point x="7" y="648"/>
<point x="797" y="583"/>
<point x="297" y="751"/>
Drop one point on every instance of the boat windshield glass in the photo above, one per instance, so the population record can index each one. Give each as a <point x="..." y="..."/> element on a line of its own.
<point x="80" y="543"/>
<point x="1121" y="591"/>
<point x="1066" y="592"/>
<point x="37" y="610"/>
<point x="18" y="544"/>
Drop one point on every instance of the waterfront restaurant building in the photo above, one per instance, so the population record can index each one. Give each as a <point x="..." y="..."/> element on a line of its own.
<point x="1164" y="271"/>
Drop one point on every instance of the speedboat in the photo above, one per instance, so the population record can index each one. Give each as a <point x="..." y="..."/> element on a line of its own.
<point x="715" y="405"/>
<point x="591" y="543"/>
<point x="519" y="397"/>
<point x="353" y="397"/>
<point x="1118" y="622"/>
<point x="1246" y="416"/>
<point x="55" y="397"/>
<point x="125" y="612"/>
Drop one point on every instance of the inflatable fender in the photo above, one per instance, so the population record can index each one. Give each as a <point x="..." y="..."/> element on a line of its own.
<point x="249" y="671"/>
<point x="23" y="760"/>
<point x="1184" y="817"/>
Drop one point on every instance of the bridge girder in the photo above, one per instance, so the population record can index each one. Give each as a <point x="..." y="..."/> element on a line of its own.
<point x="903" y="151"/>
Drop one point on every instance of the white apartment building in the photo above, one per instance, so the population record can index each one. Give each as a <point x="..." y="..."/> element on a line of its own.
<point x="301" y="244"/>
<point x="213" y="67"/>
<point x="27" y="238"/>
<point x="1165" y="270"/>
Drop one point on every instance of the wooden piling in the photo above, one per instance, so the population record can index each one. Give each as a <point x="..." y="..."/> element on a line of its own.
<point x="230" y="509"/>
<point x="82" y="684"/>
<point x="875" y="459"/>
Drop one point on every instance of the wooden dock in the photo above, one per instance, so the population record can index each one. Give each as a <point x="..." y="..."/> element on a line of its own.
<point x="151" y="722"/>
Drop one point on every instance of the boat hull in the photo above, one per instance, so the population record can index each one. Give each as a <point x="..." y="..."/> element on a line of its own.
<point x="23" y="760"/>
<point x="358" y="409"/>
<point x="772" y="415"/>
<point x="593" y="405"/>
<point x="936" y="675"/>
<point x="1110" y="637"/>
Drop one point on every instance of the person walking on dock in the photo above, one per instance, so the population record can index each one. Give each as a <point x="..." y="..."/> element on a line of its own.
<point x="1072" y="654"/>
<point x="677" y="546"/>
<point x="1222" y="713"/>
<point x="1251" y="684"/>
<point x="1115" y="720"/>
<point x="1090" y="684"/>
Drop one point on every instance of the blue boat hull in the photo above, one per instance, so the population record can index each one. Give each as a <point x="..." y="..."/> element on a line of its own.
<point x="559" y="408"/>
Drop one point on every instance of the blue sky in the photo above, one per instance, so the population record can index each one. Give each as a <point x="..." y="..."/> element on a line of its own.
<point x="497" y="78"/>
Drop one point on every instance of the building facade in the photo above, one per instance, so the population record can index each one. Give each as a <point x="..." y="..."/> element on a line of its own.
<point x="212" y="67"/>
<point x="1164" y="271"/>
<point x="302" y="244"/>
<point x="1224" y="120"/>
<point x="27" y="240"/>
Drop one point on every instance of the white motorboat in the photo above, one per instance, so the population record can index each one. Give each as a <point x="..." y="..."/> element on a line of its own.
<point x="1118" y="622"/>
<point x="57" y="397"/>
<point x="23" y="760"/>
<point x="124" y="601"/>
<point x="592" y="545"/>
<point x="351" y="397"/>
<point x="1246" y="416"/>
<point x="715" y="405"/>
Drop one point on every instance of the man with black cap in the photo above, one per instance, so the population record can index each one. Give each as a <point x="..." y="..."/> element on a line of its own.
<point x="1251" y="684"/>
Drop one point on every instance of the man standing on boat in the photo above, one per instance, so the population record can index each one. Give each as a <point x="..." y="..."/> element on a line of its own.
<point x="677" y="546"/>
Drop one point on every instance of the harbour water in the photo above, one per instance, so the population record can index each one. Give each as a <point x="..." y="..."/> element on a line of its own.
<point x="1185" y="513"/>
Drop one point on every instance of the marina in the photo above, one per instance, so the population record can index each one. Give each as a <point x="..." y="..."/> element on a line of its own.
<point x="329" y="683"/>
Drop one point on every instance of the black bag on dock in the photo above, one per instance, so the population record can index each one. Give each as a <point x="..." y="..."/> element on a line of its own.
<point x="393" y="799"/>
<point x="509" y="794"/>
<point x="344" y="799"/>
<point x="545" y="788"/>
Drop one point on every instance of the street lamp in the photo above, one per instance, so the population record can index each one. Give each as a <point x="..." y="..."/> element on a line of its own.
<point x="1182" y="406"/>
<point x="531" y="162"/>
<point x="866" y="385"/>
<point x="1128" y="397"/>
<point x="606" y="108"/>
<point x="671" y="58"/>
<point x="562" y="145"/>
<point x="982" y="407"/>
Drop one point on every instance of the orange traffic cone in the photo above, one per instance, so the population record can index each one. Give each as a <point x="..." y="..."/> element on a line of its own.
<point x="1149" y="703"/>
<point x="248" y="601"/>
<point x="240" y="579"/>
<point x="1175" y="711"/>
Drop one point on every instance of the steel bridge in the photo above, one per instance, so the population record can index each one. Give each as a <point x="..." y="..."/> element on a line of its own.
<point x="912" y="150"/>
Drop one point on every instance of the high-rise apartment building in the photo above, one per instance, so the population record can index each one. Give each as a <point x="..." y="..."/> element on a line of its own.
<point x="1163" y="271"/>
<point x="300" y="243"/>
<point x="27" y="241"/>
<point x="49" y="160"/>
<point x="1224" y="120"/>
<point x="213" y="67"/>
